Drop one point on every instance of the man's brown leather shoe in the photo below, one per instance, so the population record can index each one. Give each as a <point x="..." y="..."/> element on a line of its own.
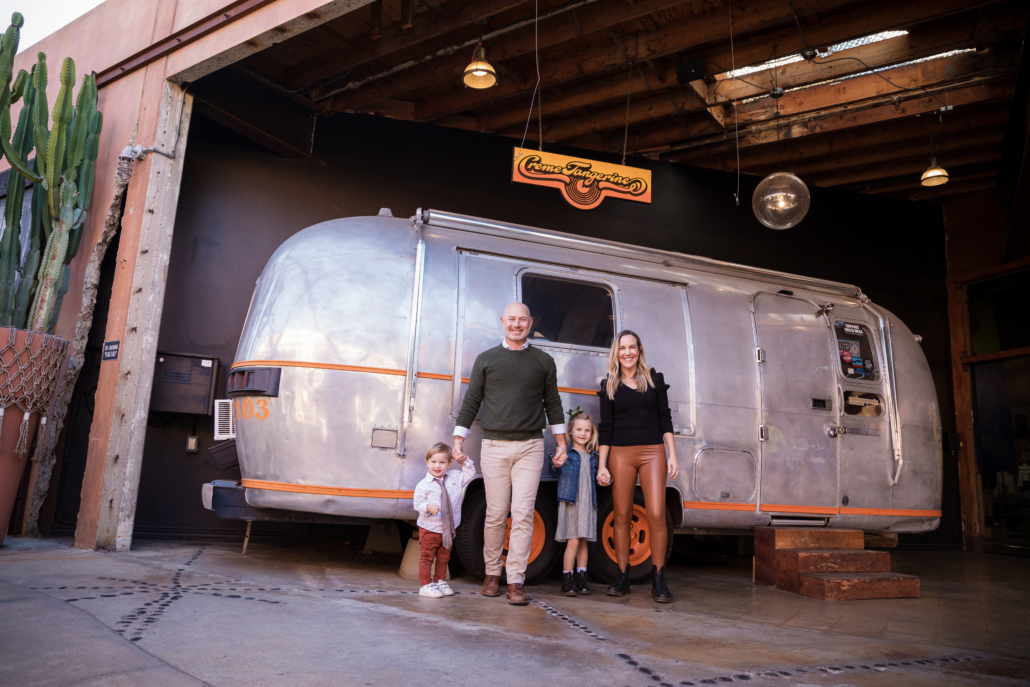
<point x="517" y="595"/>
<point x="491" y="585"/>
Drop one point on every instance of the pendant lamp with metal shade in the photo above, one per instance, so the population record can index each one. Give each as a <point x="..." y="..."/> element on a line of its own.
<point x="479" y="74"/>
<point x="934" y="175"/>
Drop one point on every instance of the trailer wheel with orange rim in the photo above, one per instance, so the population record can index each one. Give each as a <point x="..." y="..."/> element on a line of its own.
<point x="544" y="551"/>
<point x="603" y="562"/>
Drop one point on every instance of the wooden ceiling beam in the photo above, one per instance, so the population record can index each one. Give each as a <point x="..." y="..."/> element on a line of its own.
<point x="860" y="88"/>
<point x="707" y="28"/>
<point x="885" y="154"/>
<point x="835" y="147"/>
<point x="552" y="31"/>
<point x="914" y="182"/>
<point x="952" y="188"/>
<point x="995" y="27"/>
<point x="749" y="15"/>
<point x="978" y="91"/>
<point x="659" y="105"/>
<point x="868" y="19"/>
<point x="394" y="38"/>
<point x="912" y="165"/>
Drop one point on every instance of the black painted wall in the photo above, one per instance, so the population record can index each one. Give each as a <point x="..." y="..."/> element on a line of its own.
<point x="239" y="202"/>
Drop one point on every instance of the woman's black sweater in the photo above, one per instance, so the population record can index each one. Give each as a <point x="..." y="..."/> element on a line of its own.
<point x="633" y="418"/>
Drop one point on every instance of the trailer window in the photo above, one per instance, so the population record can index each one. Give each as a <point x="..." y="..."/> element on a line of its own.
<point x="569" y="312"/>
<point x="855" y="351"/>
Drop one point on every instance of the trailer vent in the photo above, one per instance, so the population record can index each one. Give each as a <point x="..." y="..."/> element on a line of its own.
<point x="225" y="423"/>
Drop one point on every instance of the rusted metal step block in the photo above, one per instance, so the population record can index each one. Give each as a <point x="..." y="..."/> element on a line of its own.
<point x="823" y="560"/>
<point x="869" y="585"/>
<point x="807" y="538"/>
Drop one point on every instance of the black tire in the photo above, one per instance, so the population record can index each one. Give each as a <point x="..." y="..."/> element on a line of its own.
<point x="602" y="565"/>
<point x="469" y="546"/>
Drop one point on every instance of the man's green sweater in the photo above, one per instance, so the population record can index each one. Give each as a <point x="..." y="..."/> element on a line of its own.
<point x="515" y="388"/>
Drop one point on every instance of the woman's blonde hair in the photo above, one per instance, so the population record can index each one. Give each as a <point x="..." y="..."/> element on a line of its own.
<point x="643" y="372"/>
<point x="592" y="442"/>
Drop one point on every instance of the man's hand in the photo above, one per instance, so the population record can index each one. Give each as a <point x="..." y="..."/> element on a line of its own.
<point x="559" y="460"/>
<point x="562" y="451"/>
<point x="433" y="510"/>
<point x="457" y="452"/>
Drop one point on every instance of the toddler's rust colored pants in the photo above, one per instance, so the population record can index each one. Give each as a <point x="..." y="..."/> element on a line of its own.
<point x="430" y="546"/>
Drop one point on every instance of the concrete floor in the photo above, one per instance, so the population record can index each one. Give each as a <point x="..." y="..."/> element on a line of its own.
<point x="174" y="613"/>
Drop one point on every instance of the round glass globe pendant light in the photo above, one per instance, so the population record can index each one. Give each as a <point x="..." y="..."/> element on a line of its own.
<point x="781" y="200"/>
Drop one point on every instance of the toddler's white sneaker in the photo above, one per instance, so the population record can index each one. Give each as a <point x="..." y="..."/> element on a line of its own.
<point x="445" y="588"/>
<point x="430" y="590"/>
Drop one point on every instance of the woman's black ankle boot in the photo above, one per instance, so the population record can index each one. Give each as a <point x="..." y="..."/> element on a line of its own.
<point x="659" y="590"/>
<point x="568" y="584"/>
<point x="621" y="584"/>
<point x="581" y="583"/>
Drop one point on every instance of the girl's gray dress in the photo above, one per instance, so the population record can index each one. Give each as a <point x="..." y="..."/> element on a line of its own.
<point x="579" y="519"/>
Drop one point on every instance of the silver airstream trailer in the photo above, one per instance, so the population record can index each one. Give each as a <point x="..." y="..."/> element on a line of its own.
<point x="795" y="400"/>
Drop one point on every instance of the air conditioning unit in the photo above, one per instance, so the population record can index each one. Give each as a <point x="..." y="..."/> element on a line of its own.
<point x="225" y="420"/>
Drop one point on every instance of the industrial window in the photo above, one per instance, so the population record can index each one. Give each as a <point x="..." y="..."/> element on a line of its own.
<point x="569" y="312"/>
<point x="855" y="351"/>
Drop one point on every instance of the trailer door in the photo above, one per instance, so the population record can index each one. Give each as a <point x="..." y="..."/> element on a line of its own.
<point x="799" y="458"/>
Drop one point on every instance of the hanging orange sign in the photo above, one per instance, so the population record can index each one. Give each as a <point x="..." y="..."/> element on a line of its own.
<point x="584" y="183"/>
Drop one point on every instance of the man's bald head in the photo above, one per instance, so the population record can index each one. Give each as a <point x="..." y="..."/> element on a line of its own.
<point x="517" y="324"/>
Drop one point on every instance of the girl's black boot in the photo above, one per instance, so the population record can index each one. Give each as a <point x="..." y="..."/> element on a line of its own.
<point x="568" y="584"/>
<point x="659" y="590"/>
<point x="581" y="583"/>
<point x="621" y="584"/>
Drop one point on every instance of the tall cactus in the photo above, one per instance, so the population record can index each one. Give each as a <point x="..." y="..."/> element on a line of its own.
<point x="66" y="145"/>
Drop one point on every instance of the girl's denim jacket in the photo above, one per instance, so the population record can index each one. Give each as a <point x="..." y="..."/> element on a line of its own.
<point x="568" y="477"/>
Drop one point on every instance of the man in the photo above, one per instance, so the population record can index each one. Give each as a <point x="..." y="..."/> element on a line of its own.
<point x="517" y="385"/>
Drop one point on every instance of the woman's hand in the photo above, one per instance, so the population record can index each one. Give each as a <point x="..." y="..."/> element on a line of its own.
<point x="674" y="467"/>
<point x="604" y="478"/>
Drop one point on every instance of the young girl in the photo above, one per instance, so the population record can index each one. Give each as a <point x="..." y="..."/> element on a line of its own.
<point x="577" y="497"/>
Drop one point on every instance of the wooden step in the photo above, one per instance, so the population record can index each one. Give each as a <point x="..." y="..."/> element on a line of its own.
<point x="868" y="585"/>
<point x="823" y="560"/>
<point x="807" y="538"/>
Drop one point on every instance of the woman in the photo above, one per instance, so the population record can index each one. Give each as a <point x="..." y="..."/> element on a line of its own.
<point x="635" y="423"/>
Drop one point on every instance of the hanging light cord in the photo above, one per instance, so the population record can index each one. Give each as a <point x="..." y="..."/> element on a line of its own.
<point x="532" y="101"/>
<point x="736" y="126"/>
<point x="629" y="93"/>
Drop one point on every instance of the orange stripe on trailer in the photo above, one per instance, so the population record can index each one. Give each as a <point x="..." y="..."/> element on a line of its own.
<point x="816" y="510"/>
<point x="717" y="505"/>
<point x="891" y="511"/>
<point x="378" y="371"/>
<point x="327" y="491"/>
<point x="319" y="366"/>
<point x="434" y="375"/>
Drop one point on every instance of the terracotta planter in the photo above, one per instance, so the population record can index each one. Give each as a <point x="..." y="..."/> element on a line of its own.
<point x="29" y="367"/>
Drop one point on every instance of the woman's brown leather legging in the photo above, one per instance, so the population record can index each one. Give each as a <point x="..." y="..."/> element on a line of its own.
<point x="625" y="463"/>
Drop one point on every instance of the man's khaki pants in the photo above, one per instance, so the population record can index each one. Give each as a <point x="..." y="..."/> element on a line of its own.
<point x="511" y="475"/>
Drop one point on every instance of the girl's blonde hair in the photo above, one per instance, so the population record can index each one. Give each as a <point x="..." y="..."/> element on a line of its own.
<point x="643" y="372"/>
<point x="592" y="443"/>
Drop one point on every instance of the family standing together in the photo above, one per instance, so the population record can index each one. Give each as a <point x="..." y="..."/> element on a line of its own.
<point x="516" y="385"/>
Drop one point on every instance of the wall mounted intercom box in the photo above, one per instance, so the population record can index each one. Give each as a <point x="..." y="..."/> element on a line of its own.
<point x="184" y="384"/>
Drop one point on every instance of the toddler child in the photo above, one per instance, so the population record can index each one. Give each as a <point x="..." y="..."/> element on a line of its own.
<point x="577" y="496"/>
<point x="438" y="502"/>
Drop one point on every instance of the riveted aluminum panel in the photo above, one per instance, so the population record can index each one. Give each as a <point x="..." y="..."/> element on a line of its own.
<point x="799" y="459"/>
<point x="725" y="476"/>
